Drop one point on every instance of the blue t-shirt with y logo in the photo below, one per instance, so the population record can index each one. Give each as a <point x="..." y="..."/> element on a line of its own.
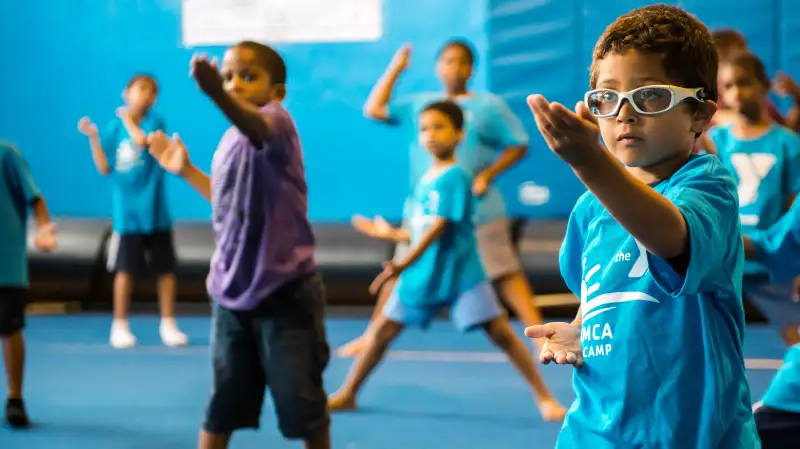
<point x="489" y="128"/>
<point x="138" y="196"/>
<point x="451" y="265"/>
<point x="767" y="172"/>
<point x="663" y="363"/>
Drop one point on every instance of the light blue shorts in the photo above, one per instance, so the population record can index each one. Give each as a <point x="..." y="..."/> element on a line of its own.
<point x="472" y="308"/>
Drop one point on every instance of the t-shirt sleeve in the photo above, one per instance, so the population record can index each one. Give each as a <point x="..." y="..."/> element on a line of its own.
<point x="778" y="247"/>
<point x="449" y="197"/>
<point x="792" y="143"/>
<point x="401" y="110"/>
<point x="571" y="252"/>
<point x="704" y="194"/>
<point x="505" y="128"/>
<point x="19" y="175"/>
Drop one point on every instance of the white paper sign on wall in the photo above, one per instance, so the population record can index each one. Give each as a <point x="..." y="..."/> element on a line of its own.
<point x="225" y="22"/>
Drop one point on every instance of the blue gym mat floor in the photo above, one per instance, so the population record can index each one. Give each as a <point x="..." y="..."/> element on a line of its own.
<point x="438" y="389"/>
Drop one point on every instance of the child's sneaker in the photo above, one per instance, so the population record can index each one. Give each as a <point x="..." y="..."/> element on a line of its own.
<point x="171" y="335"/>
<point x="16" y="416"/>
<point x="121" y="336"/>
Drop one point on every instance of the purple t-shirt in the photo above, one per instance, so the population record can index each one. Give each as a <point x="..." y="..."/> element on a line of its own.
<point x="259" y="208"/>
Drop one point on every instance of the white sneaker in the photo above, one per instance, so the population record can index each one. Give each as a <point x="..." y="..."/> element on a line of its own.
<point x="121" y="336"/>
<point x="171" y="335"/>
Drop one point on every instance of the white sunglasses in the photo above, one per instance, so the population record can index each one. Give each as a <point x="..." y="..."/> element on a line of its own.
<point x="646" y="100"/>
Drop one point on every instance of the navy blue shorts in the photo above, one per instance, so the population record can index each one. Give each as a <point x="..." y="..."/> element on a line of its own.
<point x="778" y="429"/>
<point x="281" y="345"/>
<point x="12" y="310"/>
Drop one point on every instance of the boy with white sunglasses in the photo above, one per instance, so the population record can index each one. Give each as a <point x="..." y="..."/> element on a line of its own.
<point x="654" y="248"/>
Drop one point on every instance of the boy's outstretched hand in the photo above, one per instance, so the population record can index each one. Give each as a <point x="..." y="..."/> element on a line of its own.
<point x="562" y="344"/>
<point x="46" y="237"/>
<point x="206" y="73"/>
<point x="171" y="154"/>
<point x="572" y="136"/>
<point x="377" y="227"/>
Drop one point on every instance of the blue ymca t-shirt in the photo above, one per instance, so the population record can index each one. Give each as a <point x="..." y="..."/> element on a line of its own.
<point x="489" y="128"/>
<point x="451" y="265"/>
<point x="767" y="172"/>
<point x="138" y="200"/>
<point x="777" y="248"/>
<point x="663" y="362"/>
<point x="17" y="192"/>
<point x="784" y="390"/>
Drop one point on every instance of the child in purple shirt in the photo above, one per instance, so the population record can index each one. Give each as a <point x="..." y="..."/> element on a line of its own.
<point x="268" y="300"/>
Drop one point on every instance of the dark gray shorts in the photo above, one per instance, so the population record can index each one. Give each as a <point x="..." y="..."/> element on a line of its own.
<point x="280" y="345"/>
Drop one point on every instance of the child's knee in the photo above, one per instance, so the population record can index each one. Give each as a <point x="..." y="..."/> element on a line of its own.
<point x="499" y="332"/>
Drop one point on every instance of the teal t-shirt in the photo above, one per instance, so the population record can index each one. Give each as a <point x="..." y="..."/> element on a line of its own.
<point x="663" y="359"/>
<point x="767" y="172"/>
<point x="17" y="191"/>
<point x="138" y="196"/>
<point x="451" y="265"/>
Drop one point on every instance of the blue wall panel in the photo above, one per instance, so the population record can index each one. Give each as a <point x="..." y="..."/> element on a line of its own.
<point x="61" y="62"/>
<point x="533" y="49"/>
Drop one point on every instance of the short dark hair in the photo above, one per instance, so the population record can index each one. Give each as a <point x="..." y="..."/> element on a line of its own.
<point x="727" y="42"/>
<point x="684" y="43"/>
<point x="462" y="44"/>
<point x="269" y="59"/>
<point x="752" y="64"/>
<point x="450" y="109"/>
<point x="143" y="77"/>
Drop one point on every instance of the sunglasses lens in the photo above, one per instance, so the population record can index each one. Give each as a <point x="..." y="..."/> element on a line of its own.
<point x="603" y="102"/>
<point x="653" y="99"/>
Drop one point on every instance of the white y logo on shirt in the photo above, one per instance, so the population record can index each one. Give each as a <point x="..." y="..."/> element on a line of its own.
<point x="598" y="303"/>
<point x="751" y="170"/>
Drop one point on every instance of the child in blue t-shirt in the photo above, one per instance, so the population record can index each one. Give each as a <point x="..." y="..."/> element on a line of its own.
<point x="18" y="195"/>
<point x="653" y="249"/>
<point x="442" y="269"/>
<point x="764" y="158"/>
<point x="142" y="224"/>
<point x="778" y="413"/>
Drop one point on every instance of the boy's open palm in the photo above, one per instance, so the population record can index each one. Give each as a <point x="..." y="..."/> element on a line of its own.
<point x="377" y="227"/>
<point x="171" y="154"/>
<point x="572" y="136"/>
<point x="86" y="127"/>
<point x="563" y="344"/>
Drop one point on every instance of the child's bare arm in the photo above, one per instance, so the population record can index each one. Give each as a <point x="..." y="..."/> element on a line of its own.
<point x="41" y="213"/>
<point x="137" y="135"/>
<point x="431" y="235"/>
<point x="172" y="155"/>
<point x="401" y="235"/>
<point x="377" y="103"/>
<point x="89" y="129"/>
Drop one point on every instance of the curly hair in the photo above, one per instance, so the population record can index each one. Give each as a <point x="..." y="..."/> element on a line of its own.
<point x="689" y="57"/>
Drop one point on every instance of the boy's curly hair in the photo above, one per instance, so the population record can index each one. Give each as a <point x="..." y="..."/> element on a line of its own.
<point x="689" y="57"/>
